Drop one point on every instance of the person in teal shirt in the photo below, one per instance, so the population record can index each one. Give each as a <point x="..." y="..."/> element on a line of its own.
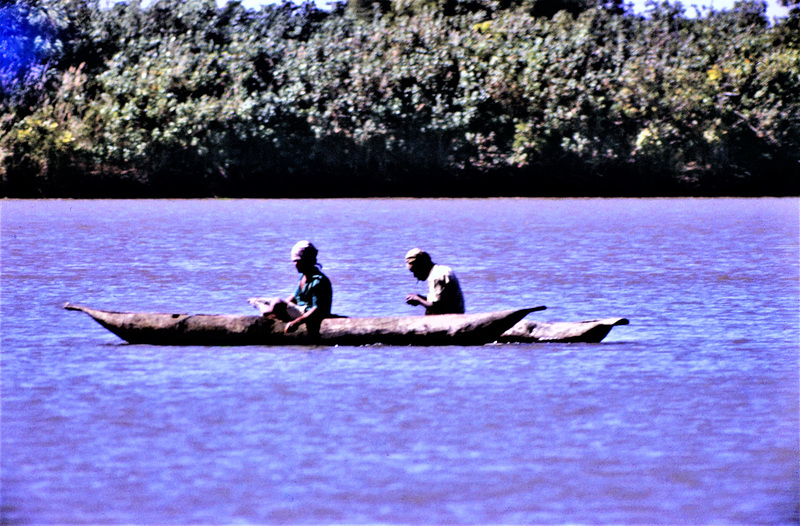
<point x="314" y="293"/>
<point x="312" y="299"/>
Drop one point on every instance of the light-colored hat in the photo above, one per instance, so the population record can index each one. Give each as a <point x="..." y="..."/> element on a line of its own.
<point x="417" y="255"/>
<point x="304" y="250"/>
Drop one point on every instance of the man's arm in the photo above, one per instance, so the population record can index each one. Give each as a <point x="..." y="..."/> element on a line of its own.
<point x="416" y="299"/>
<point x="297" y="322"/>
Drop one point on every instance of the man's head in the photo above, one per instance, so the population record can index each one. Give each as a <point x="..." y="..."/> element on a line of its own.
<point x="304" y="255"/>
<point x="419" y="263"/>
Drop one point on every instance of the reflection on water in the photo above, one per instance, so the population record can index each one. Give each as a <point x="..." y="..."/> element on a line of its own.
<point x="688" y="415"/>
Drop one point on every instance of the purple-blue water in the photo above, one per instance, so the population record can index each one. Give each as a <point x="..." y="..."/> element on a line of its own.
<point x="689" y="415"/>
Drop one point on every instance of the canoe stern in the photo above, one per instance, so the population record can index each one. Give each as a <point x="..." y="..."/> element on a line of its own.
<point x="590" y="331"/>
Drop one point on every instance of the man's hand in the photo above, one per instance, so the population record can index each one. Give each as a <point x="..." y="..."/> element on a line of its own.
<point x="291" y="326"/>
<point x="414" y="299"/>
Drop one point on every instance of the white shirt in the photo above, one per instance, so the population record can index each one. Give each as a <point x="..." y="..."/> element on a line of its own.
<point x="444" y="291"/>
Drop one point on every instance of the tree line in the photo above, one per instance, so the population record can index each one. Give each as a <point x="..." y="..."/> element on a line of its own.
<point x="183" y="98"/>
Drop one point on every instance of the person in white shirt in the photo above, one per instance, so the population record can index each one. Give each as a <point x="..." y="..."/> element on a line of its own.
<point x="444" y="291"/>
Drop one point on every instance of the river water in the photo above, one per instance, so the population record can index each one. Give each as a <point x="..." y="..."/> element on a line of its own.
<point x="688" y="415"/>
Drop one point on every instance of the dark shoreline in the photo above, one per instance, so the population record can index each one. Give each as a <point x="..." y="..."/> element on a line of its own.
<point x="501" y="187"/>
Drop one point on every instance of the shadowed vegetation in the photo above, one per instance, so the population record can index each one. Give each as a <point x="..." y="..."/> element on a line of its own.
<point x="397" y="97"/>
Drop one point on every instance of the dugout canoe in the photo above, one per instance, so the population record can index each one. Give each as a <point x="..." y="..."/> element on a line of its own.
<point x="590" y="331"/>
<point x="227" y="329"/>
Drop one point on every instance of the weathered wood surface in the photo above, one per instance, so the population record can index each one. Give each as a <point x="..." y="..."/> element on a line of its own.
<point x="221" y="329"/>
<point x="591" y="331"/>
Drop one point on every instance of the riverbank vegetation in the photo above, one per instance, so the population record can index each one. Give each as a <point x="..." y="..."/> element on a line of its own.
<point x="398" y="97"/>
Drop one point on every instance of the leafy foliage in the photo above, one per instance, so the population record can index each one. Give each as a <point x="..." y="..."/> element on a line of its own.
<point x="409" y="97"/>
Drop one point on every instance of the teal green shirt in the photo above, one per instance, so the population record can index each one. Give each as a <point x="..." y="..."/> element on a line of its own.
<point x="317" y="292"/>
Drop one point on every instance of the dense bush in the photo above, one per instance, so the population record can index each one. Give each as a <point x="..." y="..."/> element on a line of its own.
<point x="408" y="97"/>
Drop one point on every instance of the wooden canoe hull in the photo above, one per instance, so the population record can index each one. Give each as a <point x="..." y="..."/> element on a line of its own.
<point x="591" y="331"/>
<point x="223" y="329"/>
